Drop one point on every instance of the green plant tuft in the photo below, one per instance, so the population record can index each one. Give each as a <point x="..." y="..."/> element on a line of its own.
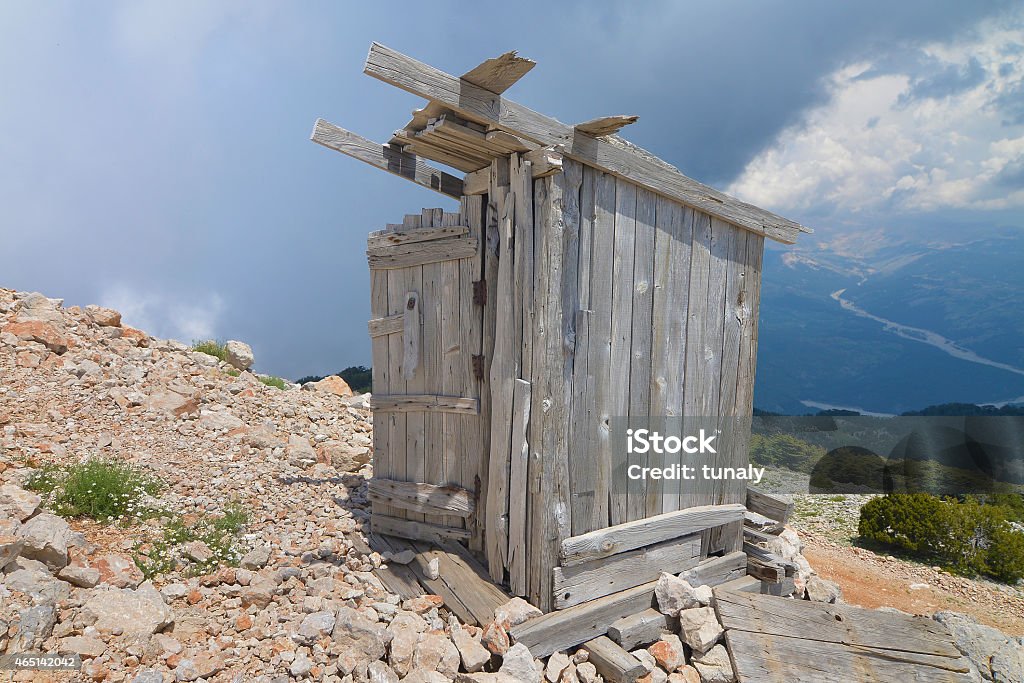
<point x="211" y="347"/>
<point x="166" y="551"/>
<point x="276" y="382"/>
<point x="101" y="489"/>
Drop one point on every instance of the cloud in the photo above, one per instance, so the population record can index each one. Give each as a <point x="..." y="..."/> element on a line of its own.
<point x="164" y="315"/>
<point x="942" y="127"/>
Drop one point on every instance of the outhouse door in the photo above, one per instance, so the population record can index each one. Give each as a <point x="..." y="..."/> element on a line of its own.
<point x="427" y="374"/>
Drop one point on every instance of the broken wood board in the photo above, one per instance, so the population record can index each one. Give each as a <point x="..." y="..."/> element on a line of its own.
<point x="500" y="73"/>
<point x="606" y="125"/>
<point x="394" y="256"/>
<point x="431" y="403"/>
<point x="385" y="238"/>
<point x="828" y="623"/>
<point x="642" y="532"/>
<point x="768" y="505"/>
<point x="397" y="578"/>
<point x="381" y="327"/>
<point x="613" y="662"/>
<point x="582" y="582"/>
<point x="426" y="499"/>
<point x="641" y="628"/>
<point x="417" y="531"/>
<point x="566" y="628"/>
<point x="713" y="571"/>
<point x="460" y="576"/>
<point x="769" y="658"/>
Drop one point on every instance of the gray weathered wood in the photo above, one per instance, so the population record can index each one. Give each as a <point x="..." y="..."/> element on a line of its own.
<point x="641" y="628"/>
<point x="597" y="578"/>
<point x="643" y="532"/>
<point x="434" y="403"/>
<point x="742" y="584"/>
<point x="389" y="159"/>
<point x="825" y="622"/>
<point x="545" y="161"/>
<point x="500" y="73"/>
<point x="768" y="505"/>
<point x="760" y="523"/>
<point x="517" y="487"/>
<point x="381" y="327"/>
<point x="566" y="628"/>
<point x="424" y="498"/>
<point x="606" y="125"/>
<point x="713" y="571"/>
<point x="476" y="104"/>
<point x="390" y="238"/>
<point x="473" y="466"/>
<point x="411" y="335"/>
<point x="415" y="530"/>
<point x="398" y="578"/>
<point x="418" y="254"/>
<point x="613" y="662"/>
<point x="477" y="182"/>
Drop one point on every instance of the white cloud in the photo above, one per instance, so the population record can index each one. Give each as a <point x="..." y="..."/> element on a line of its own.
<point x="944" y="131"/>
<point x="165" y="316"/>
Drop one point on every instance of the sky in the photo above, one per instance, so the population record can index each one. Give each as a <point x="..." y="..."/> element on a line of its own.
<point x="155" y="156"/>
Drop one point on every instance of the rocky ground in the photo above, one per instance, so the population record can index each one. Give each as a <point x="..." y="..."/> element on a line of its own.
<point x="301" y="602"/>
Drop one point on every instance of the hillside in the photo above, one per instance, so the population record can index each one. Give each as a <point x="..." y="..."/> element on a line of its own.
<point x="284" y="590"/>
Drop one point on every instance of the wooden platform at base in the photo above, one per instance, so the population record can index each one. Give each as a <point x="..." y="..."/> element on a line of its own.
<point x="462" y="582"/>
<point x="773" y="639"/>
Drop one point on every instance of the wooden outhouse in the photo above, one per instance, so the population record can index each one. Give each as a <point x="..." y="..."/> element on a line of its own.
<point x="574" y="279"/>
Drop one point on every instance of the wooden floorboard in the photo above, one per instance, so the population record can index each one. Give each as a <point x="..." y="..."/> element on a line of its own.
<point x="780" y="639"/>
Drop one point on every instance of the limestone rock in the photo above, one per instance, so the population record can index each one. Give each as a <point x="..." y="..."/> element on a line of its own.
<point x="474" y="655"/>
<point x="139" y="612"/>
<point x="435" y="652"/>
<point x="17" y="502"/>
<point x="714" y="666"/>
<point x="699" y="628"/>
<point x="979" y="643"/>
<point x="36" y="307"/>
<point x="256" y="558"/>
<point x="495" y="638"/>
<point x="119" y="571"/>
<point x="557" y="663"/>
<point x="44" y="333"/>
<point x="518" y="663"/>
<point x="332" y="384"/>
<point x="360" y="638"/>
<point x="82" y="576"/>
<point x="47" y="538"/>
<point x="10" y="548"/>
<point x="82" y="645"/>
<point x="668" y="652"/>
<point x="823" y="590"/>
<point x="104" y="317"/>
<point x="36" y="624"/>
<point x="379" y="672"/>
<point x="36" y="583"/>
<point x="238" y="354"/>
<point x="314" y="626"/>
<point x="686" y="674"/>
<point x="675" y="594"/>
<point x="514" y="612"/>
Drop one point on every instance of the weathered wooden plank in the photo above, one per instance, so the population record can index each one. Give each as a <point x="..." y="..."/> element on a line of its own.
<point x="606" y="125"/>
<point x="424" y="498"/>
<point x="762" y="658"/>
<point x="566" y="628"/>
<point x="674" y="224"/>
<point x="502" y="379"/>
<point x="640" y="500"/>
<point x="695" y="390"/>
<point x="383" y="456"/>
<point x="389" y="239"/>
<point x="518" y="487"/>
<point x="742" y="584"/>
<point x="610" y="155"/>
<point x="392" y="160"/>
<point x="500" y="73"/>
<point x="765" y="526"/>
<point x="545" y="161"/>
<point x="418" y="254"/>
<point x="416" y="530"/>
<point x="477" y="182"/>
<point x="397" y="578"/>
<point x="474" y="591"/>
<point x="765" y="571"/>
<point x="641" y="628"/>
<point x="599" y="360"/>
<point x="828" y="623"/>
<point x="411" y="335"/>
<point x="437" y="586"/>
<point x="622" y="322"/>
<point x="434" y="403"/>
<point x="644" y="532"/>
<point x="430" y="305"/>
<point x="582" y="582"/>
<point x="766" y="504"/>
<point x="390" y="324"/>
<point x="714" y="571"/>
<point x="613" y="662"/>
<point x="474" y="464"/>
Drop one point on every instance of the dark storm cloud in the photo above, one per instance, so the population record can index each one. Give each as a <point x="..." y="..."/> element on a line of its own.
<point x="157" y="153"/>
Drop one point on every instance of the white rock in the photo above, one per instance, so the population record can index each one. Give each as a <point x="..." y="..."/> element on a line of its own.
<point x="239" y="354"/>
<point x="518" y="663"/>
<point x="699" y="628"/>
<point x="714" y="666"/>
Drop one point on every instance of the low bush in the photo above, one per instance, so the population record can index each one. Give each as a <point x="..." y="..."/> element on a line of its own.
<point x="102" y="489"/>
<point x="276" y="382"/>
<point x="211" y="347"/>
<point x="967" y="536"/>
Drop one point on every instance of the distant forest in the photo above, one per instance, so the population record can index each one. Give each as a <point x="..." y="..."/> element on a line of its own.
<point x="359" y="377"/>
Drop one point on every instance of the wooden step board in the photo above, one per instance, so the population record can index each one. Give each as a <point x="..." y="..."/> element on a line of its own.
<point x="462" y="582"/>
<point x="779" y="639"/>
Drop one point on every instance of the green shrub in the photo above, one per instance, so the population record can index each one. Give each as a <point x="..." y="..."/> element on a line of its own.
<point x="211" y="347"/>
<point x="273" y="381"/>
<point x="101" y="489"/>
<point x="234" y="372"/>
<point x="967" y="536"/>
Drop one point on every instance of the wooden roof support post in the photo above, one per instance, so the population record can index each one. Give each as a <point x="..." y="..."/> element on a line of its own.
<point x="387" y="158"/>
<point x="614" y="156"/>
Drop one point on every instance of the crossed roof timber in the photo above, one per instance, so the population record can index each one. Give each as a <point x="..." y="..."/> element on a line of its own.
<point x="476" y="97"/>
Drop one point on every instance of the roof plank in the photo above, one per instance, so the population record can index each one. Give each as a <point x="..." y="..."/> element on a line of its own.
<point x="606" y="125"/>
<point x="387" y="158"/>
<point x="499" y="74"/>
<point x="610" y="155"/>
